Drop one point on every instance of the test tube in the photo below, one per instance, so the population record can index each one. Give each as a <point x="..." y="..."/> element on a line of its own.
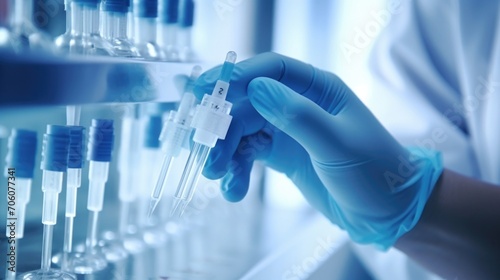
<point x="211" y="122"/>
<point x="175" y="136"/>
<point x="73" y="182"/>
<point x="186" y="19"/>
<point x="114" y="25"/>
<point x="145" y="14"/>
<point x="54" y="164"/>
<point x="168" y="12"/>
<point x="20" y="163"/>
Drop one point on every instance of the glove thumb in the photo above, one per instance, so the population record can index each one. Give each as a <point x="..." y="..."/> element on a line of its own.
<point x="299" y="117"/>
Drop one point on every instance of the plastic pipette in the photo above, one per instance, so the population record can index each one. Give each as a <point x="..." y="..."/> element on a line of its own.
<point x="20" y="163"/>
<point x="174" y="136"/>
<point x="54" y="164"/>
<point x="211" y="122"/>
<point x="73" y="182"/>
<point x="101" y="138"/>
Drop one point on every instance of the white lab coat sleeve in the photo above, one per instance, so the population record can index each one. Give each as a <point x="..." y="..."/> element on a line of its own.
<point x="415" y="90"/>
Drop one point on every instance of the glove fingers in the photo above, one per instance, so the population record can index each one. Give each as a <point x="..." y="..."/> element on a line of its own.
<point x="297" y="116"/>
<point x="220" y="156"/>
<point x="293" y="73"/>
<point x="235" y="184"/>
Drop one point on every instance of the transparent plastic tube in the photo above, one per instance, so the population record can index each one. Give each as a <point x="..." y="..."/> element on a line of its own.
<point x="51" y="187"/>
<point x="211" y="122"/>
<point x="187" y="186"/>
<point x="98" y="175"/>
<point x="23" y="193"/>
<point x="158" y="189"/>
<point x="174" y="136"/>
<point x="73" y="183"/>
<point x="150" y="171"/>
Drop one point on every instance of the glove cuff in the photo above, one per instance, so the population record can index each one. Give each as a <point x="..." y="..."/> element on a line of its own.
<point x="384" y="232"/>
<point x="431" y="167"/>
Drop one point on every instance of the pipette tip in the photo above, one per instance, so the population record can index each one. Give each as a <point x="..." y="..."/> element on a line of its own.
<point x="178" y="207"/>
<point x="231" y="57"/>
<point x="195" y="72"/>
<point x="152" y="206"/>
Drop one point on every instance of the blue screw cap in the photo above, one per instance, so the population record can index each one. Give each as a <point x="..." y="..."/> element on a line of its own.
<point x="153" y="130"/>
<point x="22" y="152"/>
<point x="146" y="8"/>
<point x="75" y="153"/>
<point x="55" y="148"/>
<point x="88" y="2"/>
<point x="168" y="11"/>
<point x="118" y="6"/>
<point x="186" y="14"/>
<point x="101" y="138"/>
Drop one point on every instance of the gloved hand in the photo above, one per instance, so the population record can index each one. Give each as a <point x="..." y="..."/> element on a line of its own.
<point x="308" y="124"/>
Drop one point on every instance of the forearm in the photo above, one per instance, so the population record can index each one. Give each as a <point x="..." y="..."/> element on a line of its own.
<point x="458" y="235"/>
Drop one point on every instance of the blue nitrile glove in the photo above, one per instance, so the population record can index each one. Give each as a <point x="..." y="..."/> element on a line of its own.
<point x="308" y="124"/>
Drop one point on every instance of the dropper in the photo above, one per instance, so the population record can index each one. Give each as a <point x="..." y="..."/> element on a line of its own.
<point x="20" y="163"/>
<point x="211" y="122"/>
<point x="175" y="136"/>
